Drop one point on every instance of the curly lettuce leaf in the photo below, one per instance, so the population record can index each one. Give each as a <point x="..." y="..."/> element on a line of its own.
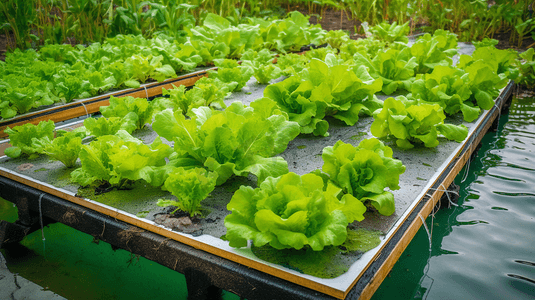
<point x="121" y="107"/>
<point x="365" y="172"/>
<point x="65" y="148"/>
<point x="120" y="159"/>
<point x="190" y="186"/>
<point x="236" y="141"/>
<point x="395" y="68"/>
<point x="413" y="124"/>
<point x="291" y="211"/>
<point x="110" y="126"/>
<point x="29" y="139"/>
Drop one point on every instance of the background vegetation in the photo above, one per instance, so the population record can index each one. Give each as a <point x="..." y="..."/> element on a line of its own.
<point x="31" y="23"/>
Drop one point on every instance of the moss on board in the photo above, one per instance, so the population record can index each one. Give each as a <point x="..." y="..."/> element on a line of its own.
<point x="141" y="197"/>
<point x="331" y="262"/>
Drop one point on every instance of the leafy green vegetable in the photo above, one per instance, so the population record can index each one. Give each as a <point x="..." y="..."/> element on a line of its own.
<point x="367" y="47"/>
<point x="291" y="63"/>
<point x="394" y="67"/>
<point x="190" y="187"/>
<point x="120" y="159"/>
<point x="291" y="211"/>
<point x="448" y="87"/>
<point x="290" y="34"/>
<point x="206" y="92"/>
<point x="437" y="50"/>
<point x="65" y="148"/>
<point x="261" y="63"/>
<point x="110" y="126"/>
<point x="486" y="42"/>
<point x="485" y="84"/>
<point x="141" y="68"/>
<point x="295" y="97"/>
<point x="326" y="88"/>
<point x="231" y="73"/>
<point x="139" y="109"/>
<point x="414" y="124"/>
<point x="501" y="62"/>
<point x="527" y="69"/>
<point x="391" y="33"/>
<point x="29" y="139"/>
<point x="335" y="38"/>
<point x="365" y="172"/>
<point x="237" y="141"/>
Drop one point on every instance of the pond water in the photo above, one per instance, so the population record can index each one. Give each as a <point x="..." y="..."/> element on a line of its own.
<point x="482" y="249"/>
<point x="485" y="247"/>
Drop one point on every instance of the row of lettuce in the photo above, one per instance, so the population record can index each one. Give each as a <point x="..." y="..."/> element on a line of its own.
<point x="213" y="143"/>
<point x="61" y="73"/>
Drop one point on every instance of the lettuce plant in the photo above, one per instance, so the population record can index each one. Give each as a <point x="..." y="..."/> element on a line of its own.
<point x="110" y="126"/>
<point x="261" y="63"/>
<point x="448" y="87"/>
<point x="120" y="159"/>
<point x="436" y="50"/>
<point x="395" y="68"/>
<point x="231" y="73"/>
<point x="29" y="139"/>
<point x="501" y="62"/>
<point x="326" y="88"/>
<point x="291" y="63"/>
<point x="237" y="141"/>
<point x="301" y="102"/>
<point x="289" y="34"/>
<point x="205" y="92"/>
<point x="190" y="186"/>
<point x="335" y="38"/>
<point x="218" y="30"/>
<point x="137" y="108"/>
<point x="291" y="211"/>
<point x="141" y="68"/>
<point x="365" y="172"/>
<point x="414" y="124"/>
<point x="391" y="33"/>
<point x="65" y="148"/>
<point x="368" y="47"/>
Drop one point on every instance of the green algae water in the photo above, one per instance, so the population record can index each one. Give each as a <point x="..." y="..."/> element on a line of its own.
<point x="482" y="249"/>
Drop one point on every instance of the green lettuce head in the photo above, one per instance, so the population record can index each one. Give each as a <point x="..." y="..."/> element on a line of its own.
<point x="365" y="172"/>
<point x="291" y="211"/>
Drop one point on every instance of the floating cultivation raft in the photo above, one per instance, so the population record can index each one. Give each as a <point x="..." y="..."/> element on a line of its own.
<point x="42" y="191"/>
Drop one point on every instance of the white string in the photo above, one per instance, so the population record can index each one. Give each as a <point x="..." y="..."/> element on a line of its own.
<point x="467" y="163"/>
<point x="447" y="192"/>
<point x="41" y="221"/>
<point x="146" y="92"/>
<point x="427" y="265"/>
<point x="499" y="114"/>
<point x="86" y="112"/>
<point x="427" y="230"/>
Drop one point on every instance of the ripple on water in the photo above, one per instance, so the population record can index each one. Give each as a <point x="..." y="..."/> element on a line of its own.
<point x="485" y="248"/>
